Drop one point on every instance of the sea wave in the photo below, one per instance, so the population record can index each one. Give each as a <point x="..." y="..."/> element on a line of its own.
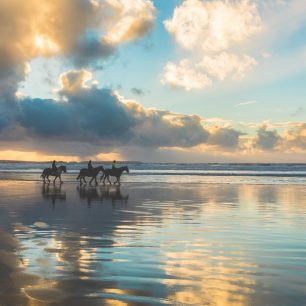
<point x="173" y="173"/>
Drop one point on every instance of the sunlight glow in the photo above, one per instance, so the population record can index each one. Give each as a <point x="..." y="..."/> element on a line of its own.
<point x="34" y="156"/>
<point x="45" y="45"/>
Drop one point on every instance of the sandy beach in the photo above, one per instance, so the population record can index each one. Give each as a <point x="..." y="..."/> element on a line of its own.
<point x="152" y="244"/>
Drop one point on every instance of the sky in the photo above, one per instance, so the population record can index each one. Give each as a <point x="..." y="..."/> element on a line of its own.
<point x="153" y="81"/>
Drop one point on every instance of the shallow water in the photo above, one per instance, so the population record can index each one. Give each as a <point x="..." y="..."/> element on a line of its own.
<point x="152" y="244"/>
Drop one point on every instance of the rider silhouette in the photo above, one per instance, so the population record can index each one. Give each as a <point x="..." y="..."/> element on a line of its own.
<point x="114" y="164"/>
<point x="90" y="167"/>
<point x="54" y="168"/>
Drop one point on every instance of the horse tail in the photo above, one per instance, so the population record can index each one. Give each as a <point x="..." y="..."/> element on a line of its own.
<point x="78" y="177"/>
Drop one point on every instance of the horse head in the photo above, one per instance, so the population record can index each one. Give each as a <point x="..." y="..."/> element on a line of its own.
<point x="126" y="168"/>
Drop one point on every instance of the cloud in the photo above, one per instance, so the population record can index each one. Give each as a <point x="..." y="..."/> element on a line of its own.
<point x="226" y="65"/>
<point x="246" y="103"/>
<point x="184" y="75"/>
<point x="86" y="119"/>
<point x="224" y="137"/>
<point x="265" y="139"/>
<point x="214" y="25"/>
<point x="295" y="138"/>
<point x="211" y="31"/>
<point x="74" y="80"/>
<point x="137" y="91"/>
<point x="82" y="31"/>
<point x="130" y="20"/>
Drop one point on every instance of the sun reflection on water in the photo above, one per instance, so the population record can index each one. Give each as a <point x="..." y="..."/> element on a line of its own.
<point x="210" y="245"/>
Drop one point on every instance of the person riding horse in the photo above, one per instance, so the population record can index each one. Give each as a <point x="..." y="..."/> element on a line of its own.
<point x="90" y="167"/>
<point x="116" y="172"/>
<point x="54" y="168"/>
<point x="114" y="165"/>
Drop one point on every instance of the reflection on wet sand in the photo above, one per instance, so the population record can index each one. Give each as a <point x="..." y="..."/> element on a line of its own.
<point x="53" y="192"/>
<point x="12" y="275"/>
<point x="100" y="193"/>
<point x="168" y="245"/>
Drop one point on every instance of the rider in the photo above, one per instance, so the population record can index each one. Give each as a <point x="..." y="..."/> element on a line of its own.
<point x="54" y="168"/>
<point x="90" y="165"/>
<point x="114" y="164"/>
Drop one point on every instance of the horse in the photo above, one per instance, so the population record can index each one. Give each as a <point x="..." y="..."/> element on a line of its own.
<point x="90" y="173"/>
<point x="117" y="172"/>
<point x="57" y="173"/>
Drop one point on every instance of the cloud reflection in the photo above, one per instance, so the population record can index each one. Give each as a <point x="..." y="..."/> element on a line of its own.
<point x="169" y="244"/>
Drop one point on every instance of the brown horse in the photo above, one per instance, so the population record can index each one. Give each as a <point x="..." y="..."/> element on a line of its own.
<point x="116" y="172"/>
<point x="57" y="173"/>
<point x="90" y="173"/>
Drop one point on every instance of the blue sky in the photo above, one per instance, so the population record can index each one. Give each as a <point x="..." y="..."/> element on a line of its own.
<point x="240" y="66"/>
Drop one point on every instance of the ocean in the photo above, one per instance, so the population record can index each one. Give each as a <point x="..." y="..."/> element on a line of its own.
<point x="274" y="173"/>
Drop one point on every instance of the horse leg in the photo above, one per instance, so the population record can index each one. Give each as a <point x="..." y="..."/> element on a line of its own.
<point x="54" y="180"/>
<point x="118" y="180"/>
<point x="96" y="180"/>
<point x="60" y="180"/>
<point x="109" y="180"/>
<point x="84" y="179"/>
<point x="91" y="180"/>
<point x="48" y="178"/>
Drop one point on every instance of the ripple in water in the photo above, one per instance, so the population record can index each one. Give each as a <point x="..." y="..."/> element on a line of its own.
<point x="152" y="244"/>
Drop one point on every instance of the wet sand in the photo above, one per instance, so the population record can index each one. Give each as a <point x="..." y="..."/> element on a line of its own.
<point x="152" y="244"/>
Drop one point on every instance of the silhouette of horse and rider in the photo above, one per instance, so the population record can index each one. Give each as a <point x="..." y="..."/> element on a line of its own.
<point x="53" y="171"/>
<point x="90" y="171"/>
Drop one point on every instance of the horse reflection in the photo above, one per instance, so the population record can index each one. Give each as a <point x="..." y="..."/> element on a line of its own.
<point x="53" y="192"/>
<point x="100" y="193"/>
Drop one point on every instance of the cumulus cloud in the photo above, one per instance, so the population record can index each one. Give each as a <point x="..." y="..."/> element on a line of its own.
<point x="225" y="137"/>
<point x="227" y="64"/>
<point x="295" y="138"/>
<point x="210" y="31"/>
<point x="265" y="139"/>
<point x="213" y="25"/>
<point x="130" y="20"/>
<point x="74" y="80"/>
<point x="99" y="117"/>
<point x="81" y="30"/>
<point x="184" y="75"/>
<point x="86" y="120"/>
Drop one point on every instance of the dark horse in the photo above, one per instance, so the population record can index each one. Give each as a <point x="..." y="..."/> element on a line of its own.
<point x="90" y="173"/>
<point x="117" y="172"/>
<point x="57" y="173"/>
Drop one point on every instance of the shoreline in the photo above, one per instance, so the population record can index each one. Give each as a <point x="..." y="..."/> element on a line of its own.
<point x="175" y="179"/>
<point x="160" y="183"/>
